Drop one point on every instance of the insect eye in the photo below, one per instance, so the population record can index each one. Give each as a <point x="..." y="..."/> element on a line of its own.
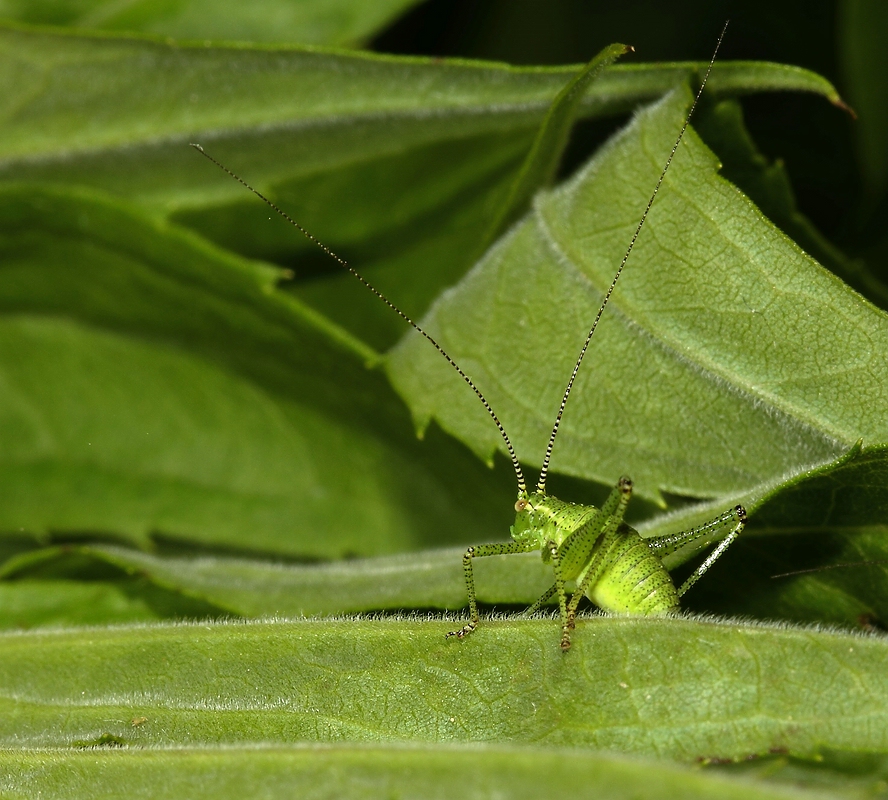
<point x="520" y="504"/>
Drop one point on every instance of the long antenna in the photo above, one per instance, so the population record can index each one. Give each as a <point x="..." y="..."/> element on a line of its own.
<point x="541" y="484"/>
<point x="522" y="487"/>
<point x="871" y="562"/>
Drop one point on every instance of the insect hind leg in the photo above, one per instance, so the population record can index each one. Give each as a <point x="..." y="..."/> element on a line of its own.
<point x="618" y="499"/>
<point x="733" y="520"/>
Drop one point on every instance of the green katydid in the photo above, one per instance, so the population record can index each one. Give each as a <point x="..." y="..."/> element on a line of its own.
<point x="591" y="548"/>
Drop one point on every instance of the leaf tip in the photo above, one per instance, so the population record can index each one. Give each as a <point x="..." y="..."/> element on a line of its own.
<point x="421" y="424"/>
<point x="837" y="101"/>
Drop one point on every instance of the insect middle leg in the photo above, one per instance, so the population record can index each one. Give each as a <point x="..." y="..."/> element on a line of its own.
<point x="618" y="499"/>
<point x="546" y="597"/>
<point x="480" y="551"/>
<point x="597" y="561"/>
<point x="588" y="548"/>
<point x="555" y="590"/>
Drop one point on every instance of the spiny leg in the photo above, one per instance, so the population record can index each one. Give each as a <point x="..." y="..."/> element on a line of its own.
<point x="480" y="551"/>
<point x="547" y="596"/>
<point x="735" y="520"/>
<point x="618" y="499"/>
<point x="597" y="563"/>
<point x="559" y="590"/>
<point x="740" y="516"/>
<point x="587" y="548"/>
<point x="664" y="545"/>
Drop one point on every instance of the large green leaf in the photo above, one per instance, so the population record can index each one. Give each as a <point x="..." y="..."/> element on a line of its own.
<point x="156" y="386"/>
<point x="681" y="689"/>
<point x="359" y="771"/>
<point x="323" y="22"/>
<point x="727" y="359"/>
<point x="394" y="162"/>
<point x="115" y="113"/>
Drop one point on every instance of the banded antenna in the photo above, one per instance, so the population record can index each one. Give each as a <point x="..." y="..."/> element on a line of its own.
<point x="522" y="486"/>
<point x="541" y="484"/>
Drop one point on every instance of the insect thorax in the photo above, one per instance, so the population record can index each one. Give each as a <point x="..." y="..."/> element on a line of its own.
<point x="547" y="519"/>
<point x="631" y="579"/>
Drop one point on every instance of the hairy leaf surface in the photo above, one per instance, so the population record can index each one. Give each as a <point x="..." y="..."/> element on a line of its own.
<point x="726" y="359"/>
<point x="631" y="685"/>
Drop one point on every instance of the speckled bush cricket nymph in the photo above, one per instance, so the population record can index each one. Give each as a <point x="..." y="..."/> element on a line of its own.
<point x="592" y="548"/>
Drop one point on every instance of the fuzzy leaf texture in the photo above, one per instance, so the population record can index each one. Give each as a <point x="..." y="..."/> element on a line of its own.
<point x="727" y="358"/>
<point x="626" y="686"/>
<point x="318" y="22"/>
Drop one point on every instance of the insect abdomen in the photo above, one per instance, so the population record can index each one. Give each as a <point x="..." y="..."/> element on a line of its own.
<point x="636" y="582"/>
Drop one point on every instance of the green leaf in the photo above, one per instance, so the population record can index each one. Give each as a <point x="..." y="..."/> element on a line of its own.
<point x="767" y="184"/>
<point x="827" y="516"/>
<point x="158" y="388"/>
<point x="253" y="588"/>
<point x="329" y="22"/>
<point x="39" y="603"/>
<point x="343" y="770"/>
<point x="116" y="113"/>
<point x="390" y="161"/>
<point x="727" y="359"/>
<point x="628" y="685"/>
<point x="542" y="160"/>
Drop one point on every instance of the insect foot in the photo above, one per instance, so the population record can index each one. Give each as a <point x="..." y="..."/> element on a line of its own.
<point x="464" y="631"/>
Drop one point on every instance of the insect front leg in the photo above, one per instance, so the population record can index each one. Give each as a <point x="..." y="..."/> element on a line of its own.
<point x="480" y="551"/>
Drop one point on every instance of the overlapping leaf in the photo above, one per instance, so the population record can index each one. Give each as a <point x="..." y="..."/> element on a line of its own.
<point x="156" y="386"/>
<point x="322" y="22"/>
<point x="359" y="771"/>
<point x="727" y="359"/>
<point x="395" y="162"/>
